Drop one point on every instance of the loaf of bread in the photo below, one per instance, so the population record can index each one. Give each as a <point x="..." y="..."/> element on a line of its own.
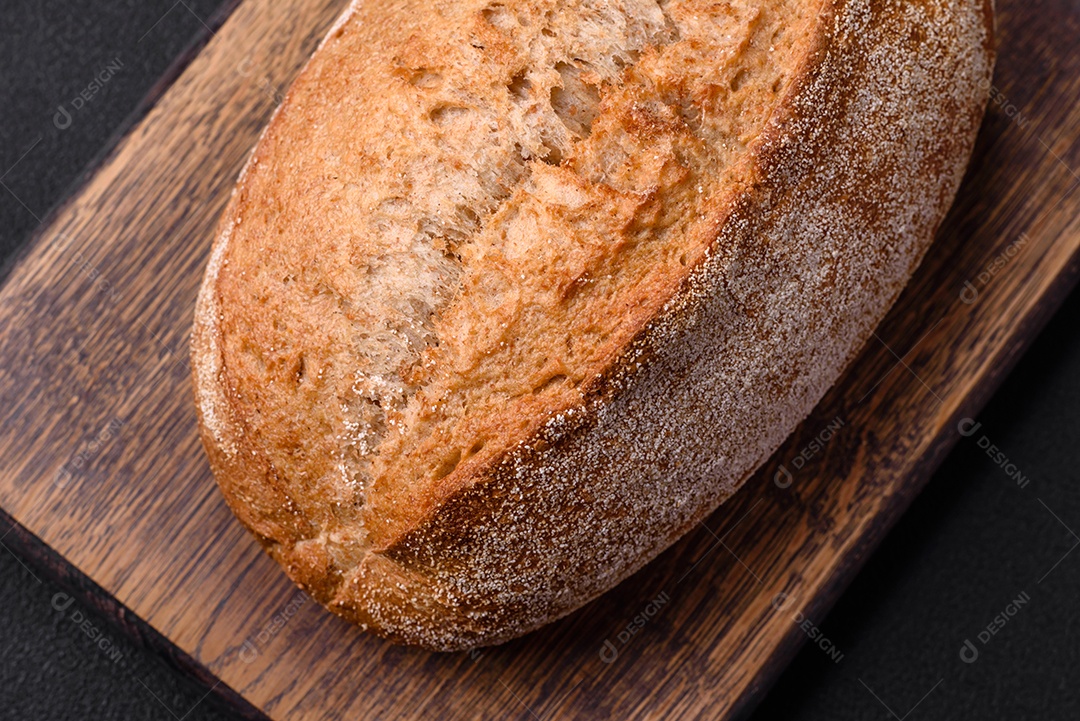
<point x="512" y="293"/>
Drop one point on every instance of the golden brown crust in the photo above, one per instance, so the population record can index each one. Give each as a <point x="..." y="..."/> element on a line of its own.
<point x="812" y="239"/>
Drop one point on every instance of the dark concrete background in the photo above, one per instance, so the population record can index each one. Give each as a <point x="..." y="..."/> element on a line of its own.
<point x="970" y="544"/>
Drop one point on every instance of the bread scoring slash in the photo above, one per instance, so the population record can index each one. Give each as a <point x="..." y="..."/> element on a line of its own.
<point x="512" y="294"/>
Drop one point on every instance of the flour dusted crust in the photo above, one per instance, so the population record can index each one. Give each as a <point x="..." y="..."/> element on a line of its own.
<point x="810" y="232"/>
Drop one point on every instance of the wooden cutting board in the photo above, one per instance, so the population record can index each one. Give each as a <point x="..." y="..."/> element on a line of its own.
<point x="102" y="470"/>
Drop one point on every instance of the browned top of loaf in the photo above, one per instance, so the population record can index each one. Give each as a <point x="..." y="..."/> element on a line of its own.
<point x="461" y="215"/>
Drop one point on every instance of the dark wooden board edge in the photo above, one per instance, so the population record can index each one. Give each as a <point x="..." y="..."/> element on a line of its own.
<point x="54" y="567"/>
<point x="62" y="573"/>
<point x="175" y="69"/>
<point x="45" y="560"/>
<point x="58" y="570"/>
<point x="849" y="566"/>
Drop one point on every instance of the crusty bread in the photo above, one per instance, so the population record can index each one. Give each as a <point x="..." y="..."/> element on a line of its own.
<point x="510" y="295"/>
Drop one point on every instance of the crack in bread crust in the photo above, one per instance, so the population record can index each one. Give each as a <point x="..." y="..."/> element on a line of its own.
<point x="809" y="239"/>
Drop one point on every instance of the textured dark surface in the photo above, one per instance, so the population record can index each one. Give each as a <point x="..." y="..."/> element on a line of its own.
<point x="70" y="663"/>
<point x="51" y="52"/>
<point x="970" y="544"/>
<point x="59" y="660"/>
<point x="973" y="541"/>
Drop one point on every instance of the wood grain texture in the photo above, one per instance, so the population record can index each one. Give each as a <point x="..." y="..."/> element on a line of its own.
<point x="99" y="455"/>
